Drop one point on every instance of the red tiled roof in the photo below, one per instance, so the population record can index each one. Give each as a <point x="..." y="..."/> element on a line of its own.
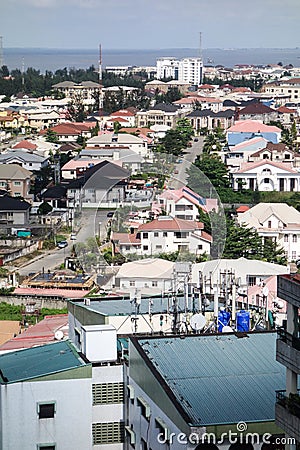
<point x="257" y="108"/>
<point x="171" y="225"/>
<point x="242" y="208"/>
<point x="41" y="333"/>
<point x="284" y="109"/>
<point x="64" y="293"/>
<point x="125" y="238"/>
<point x="26" y="144"/>
<point x="253" y="126"/>
<point x="123" y="113"/>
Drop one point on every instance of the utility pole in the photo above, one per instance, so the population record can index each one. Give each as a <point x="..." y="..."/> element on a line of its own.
<point x="100" y="83"/>
<point x="1" y="52"/>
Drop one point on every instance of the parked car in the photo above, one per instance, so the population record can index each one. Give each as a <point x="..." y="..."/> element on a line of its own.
<point x="62" y="244"/>
<point x="73" y="237"/>
<point x="110" y="214"/>
<point x="196" y="140"/>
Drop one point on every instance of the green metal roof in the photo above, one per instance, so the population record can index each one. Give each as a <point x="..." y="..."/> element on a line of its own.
<point x="127" y="307"/>
<point x="40" y="361"/>
<point x="220" y="379"/>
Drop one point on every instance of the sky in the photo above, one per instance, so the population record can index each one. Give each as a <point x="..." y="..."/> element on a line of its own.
<point x="150" y="24"/>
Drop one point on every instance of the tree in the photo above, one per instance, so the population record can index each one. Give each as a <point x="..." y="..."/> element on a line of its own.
<point x="211" y="144"/>
<point x="51" y="136"/>
<point x="44" y="208"/>
<point x="75" y="109"/>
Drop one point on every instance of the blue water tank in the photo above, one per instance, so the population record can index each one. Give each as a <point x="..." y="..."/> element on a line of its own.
<point x="243" y="320"/>
<point x="223" y="320"/>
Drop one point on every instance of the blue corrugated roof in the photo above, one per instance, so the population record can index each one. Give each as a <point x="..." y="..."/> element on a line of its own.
<point x="38" y="361"/>
<point x="220" y="379"/>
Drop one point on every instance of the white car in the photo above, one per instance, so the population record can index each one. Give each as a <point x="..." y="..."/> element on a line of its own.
<point x="73" y="237"/>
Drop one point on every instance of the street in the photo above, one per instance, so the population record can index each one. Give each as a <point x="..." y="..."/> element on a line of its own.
<point x="92" y="224"/>
<point x="180" y="179"/>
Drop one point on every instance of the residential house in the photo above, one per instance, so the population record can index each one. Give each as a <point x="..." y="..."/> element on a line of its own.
<point x="42" y="119"/>
<point x="159" y="114"/>
<point x="13" y="211"/>
<point x="16" y="180"/>
<point x="178" y="389"/>
<point x="112" y="140"/>
<point x="288" y="115"/>
<point x="104" y="185"/>
<point x="290" y="87"/>
<point x="205" y="118"/>
<point x="276" y="152"/>
<point x="87" y="91"/>
<point x="27" y="160"/>
<point x="248" y="272"/>
<point x="239" y="153"/>
<point x="266" y="175"/>
<point x="259" y="111"/>
<point x="71" y="131"/>
<point x="150" y="276"/>
<point x="122" y="156"/>
<point x="166" y="234"/>
<point x="75" y="168"/>
<point x="183" y="203"/>
<point x="276" y="221"/>
<point x="243" y="130"/>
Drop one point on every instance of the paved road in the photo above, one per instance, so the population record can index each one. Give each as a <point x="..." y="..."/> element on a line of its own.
<point x="180" y="179"/>
<point x="91" y="223"/>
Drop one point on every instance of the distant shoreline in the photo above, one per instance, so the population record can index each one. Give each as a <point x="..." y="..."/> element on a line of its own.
<point x="52" y="59"/>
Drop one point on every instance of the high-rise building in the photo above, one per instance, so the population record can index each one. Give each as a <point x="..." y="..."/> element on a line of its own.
<point x="186" y="70"/>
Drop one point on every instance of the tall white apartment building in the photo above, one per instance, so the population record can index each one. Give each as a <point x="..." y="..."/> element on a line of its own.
<point x="186" y="70"/>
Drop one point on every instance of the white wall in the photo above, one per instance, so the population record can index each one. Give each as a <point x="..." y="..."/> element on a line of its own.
<point x="21" y="427"/>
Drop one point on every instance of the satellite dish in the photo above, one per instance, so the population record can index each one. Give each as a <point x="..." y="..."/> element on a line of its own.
<point x="197" y="322"/>
<point x="227" y="329"/>
<point x="58" y="335"/>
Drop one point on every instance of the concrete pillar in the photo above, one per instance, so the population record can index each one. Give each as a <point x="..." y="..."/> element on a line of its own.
<point x="291" y="328"/>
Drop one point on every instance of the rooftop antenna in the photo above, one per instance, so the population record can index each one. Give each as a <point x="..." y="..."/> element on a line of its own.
<point x="100" y="82"/>
<point x="200" y="45"/>
<point x="1" y="52"/>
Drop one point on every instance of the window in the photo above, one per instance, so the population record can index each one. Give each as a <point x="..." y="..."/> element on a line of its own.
<point x="286" y="238"/>
<point x="294" y="238"/>
<point x="108" y="433"/>
<point x="294" y="255"/>
<point x="154" y="283"/>
<point x="158" y="247"/>
<point x="165" y="234"/>
<point x="46" y="410"/>
<point x="251" y="281"/>
<point x="17" y="194"/>
<point x="132" y="283"/>
<point x="17" y="183"/>
<point x="145" y="247"/>
<point x="180" y="234"/>
<point x="200" y="247"/>
<point x="46" y="447"/>
<point x="266" y="180"/>
<point x="108" y="393"/>
<point x="145" y="235"/>
<point x="156" y="234"/>
<point x="269" y="224"/>
<point x="145" y="408"/>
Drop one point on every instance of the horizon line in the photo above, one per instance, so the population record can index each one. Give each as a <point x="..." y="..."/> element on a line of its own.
<point x="152" y="49"/>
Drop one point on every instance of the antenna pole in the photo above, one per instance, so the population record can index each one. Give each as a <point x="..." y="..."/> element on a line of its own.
<point x="1" y="52"/>
<point x="23" y="71"/>
<point x="100" y="82"/>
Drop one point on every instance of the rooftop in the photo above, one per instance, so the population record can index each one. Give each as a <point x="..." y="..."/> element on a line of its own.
<point x="38" y="361"/>
<point x="218" y="379"/>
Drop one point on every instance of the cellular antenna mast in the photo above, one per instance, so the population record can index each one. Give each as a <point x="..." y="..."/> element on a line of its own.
<point x="23" y="74"/>
<point x="100" y="83"/>
<point x="200" y="45"/>
<point x="1" y="51"/>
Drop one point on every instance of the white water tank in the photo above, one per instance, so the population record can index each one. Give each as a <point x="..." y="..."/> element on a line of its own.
<point x="99" y="343"/>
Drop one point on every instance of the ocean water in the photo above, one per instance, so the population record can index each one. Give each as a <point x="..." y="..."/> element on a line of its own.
<point x="53" y="59"/>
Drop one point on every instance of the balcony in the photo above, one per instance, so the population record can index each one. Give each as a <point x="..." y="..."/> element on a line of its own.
<point x="288" y="350"/>
<point x="288" y="288"/>
<point x="287" y="413"/>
